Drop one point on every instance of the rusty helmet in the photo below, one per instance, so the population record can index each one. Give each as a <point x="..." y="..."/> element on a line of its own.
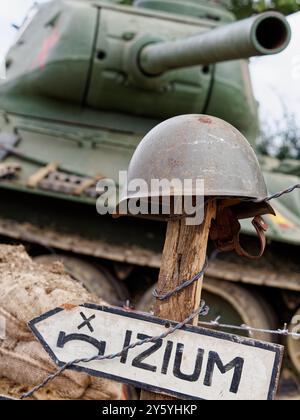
<point x="207" y="148"/>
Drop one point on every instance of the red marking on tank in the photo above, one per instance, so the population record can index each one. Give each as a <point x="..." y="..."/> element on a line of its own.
<point x="48" y="44"/>
<point x="205" y="120"/>
<point x="284" y="226"/>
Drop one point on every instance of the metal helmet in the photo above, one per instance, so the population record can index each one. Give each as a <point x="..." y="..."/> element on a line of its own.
<point x="200" y="147"/>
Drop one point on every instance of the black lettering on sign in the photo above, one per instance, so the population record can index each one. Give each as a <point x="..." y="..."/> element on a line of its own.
<point x="237" y="364"/>
<point x="138" y="361"/>
<point x="167" y="357"/>
<point x="177" y="365"/>
<point x="63" y="339"/>
<point x="127" y="342"/>
<point x="86" y="322"/>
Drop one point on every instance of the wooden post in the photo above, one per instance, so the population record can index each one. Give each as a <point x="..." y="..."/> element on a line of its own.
<point x="183" y="257"/>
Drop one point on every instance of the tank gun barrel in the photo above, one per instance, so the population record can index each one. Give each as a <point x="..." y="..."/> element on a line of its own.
<point x="265" y="34"/>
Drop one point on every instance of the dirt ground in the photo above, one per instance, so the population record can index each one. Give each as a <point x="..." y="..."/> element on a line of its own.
<point x="26" y="291"/>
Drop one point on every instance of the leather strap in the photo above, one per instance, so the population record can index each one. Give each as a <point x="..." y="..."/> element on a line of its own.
<point x="261" y="228"/>
<point x="226" y="230"/>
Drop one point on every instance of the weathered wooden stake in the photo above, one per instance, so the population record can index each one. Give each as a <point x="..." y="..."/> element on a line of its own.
<point x="183" y="257"/>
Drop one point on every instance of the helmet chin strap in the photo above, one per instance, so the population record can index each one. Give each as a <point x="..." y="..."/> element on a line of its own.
<point x="226" y="229"/>
<point x="261" y="228"/>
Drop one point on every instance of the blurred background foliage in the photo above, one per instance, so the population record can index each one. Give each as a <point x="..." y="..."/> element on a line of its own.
<point x="281" y="138"/>
<point x="245" y="8"/>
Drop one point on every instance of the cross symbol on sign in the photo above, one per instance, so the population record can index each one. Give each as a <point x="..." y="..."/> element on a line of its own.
<point x="87" y="322"/>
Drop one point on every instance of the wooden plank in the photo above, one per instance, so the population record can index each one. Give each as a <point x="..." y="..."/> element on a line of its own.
<point x="183" y="257"/>
<point x="41" y="174"/>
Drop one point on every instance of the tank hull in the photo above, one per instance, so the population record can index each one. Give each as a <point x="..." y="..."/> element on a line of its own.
<point x="71" y="116"/>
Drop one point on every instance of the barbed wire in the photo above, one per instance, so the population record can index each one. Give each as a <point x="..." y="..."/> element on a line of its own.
<point x="283" y="192"/>
<point x="278" y="194"/>
<point x="201" y="311"/>
<point x="284" y="332"/>
<point x="187" y="283"/>
<point x="182" y="286"/>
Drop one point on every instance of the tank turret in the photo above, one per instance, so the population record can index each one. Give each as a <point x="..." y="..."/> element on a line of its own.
<point x="102" y="57"/>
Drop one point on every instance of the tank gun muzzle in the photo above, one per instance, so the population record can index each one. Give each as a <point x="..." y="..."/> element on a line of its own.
<point x="264" y="34"/>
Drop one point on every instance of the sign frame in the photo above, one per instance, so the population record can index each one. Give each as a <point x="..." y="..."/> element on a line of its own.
<point x="275" y="348"/>
<point x="6" y="398"/>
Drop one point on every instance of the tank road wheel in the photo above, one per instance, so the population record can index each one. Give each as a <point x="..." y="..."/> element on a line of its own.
<point x="294" y="343"/>
<point x="234" y="304"/>
<point x="96" y="279"/>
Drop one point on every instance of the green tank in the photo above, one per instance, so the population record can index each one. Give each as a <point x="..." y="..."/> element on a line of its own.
<point x="85" y="82"/>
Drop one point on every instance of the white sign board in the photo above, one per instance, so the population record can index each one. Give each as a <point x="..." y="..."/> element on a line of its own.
<point x="192" y="363"/>
<point x="4" y="398"/>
